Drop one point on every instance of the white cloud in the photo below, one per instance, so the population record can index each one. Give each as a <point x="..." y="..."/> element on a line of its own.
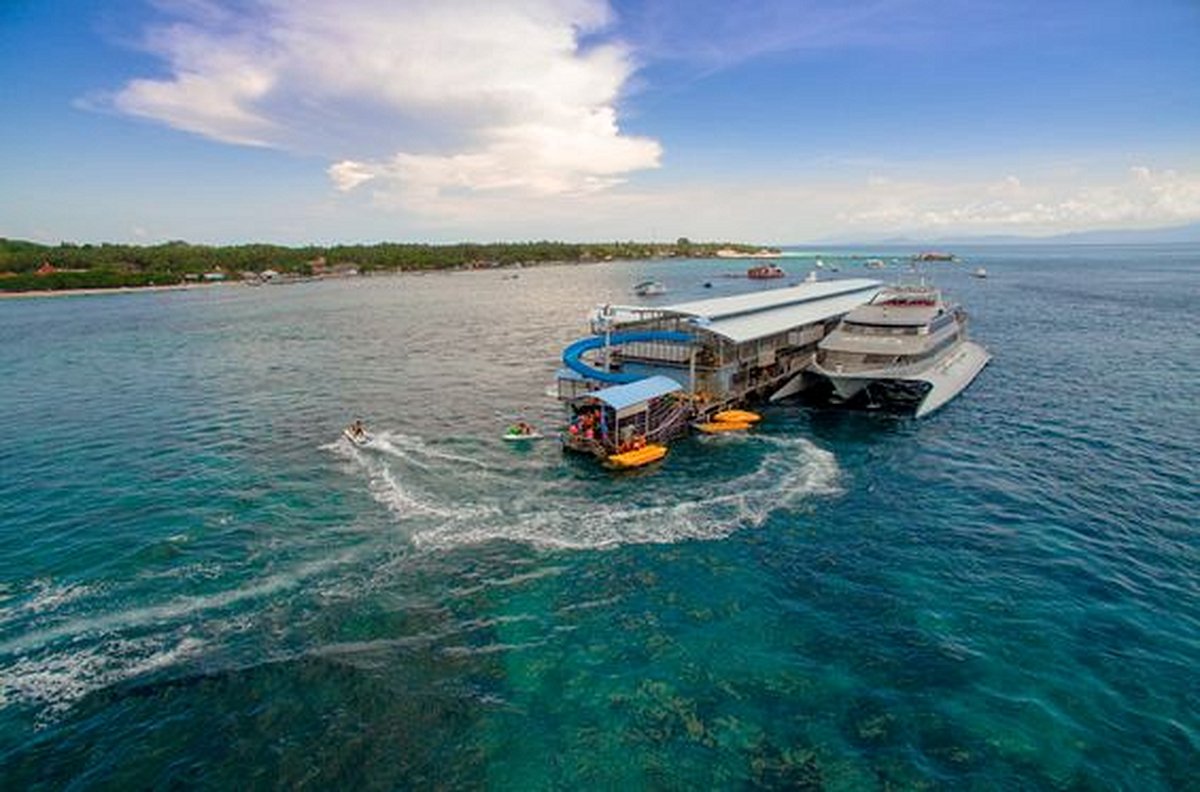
<point x="346" y="175"/>
<point x="1143" y="198"/>
<point x="809" y="209"/>
<point x="418" y="97"/>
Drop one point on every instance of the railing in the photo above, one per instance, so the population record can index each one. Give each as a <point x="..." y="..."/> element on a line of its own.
<point x="897" y="368"/>
<point x="669" y="421"/>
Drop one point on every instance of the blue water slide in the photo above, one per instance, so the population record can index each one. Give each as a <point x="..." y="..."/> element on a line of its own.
<point x="572" y="356"/>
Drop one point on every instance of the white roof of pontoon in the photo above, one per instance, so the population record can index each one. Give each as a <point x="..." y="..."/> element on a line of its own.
<point x="746" y="317"/>
<point x="748" y="327"/>
<point x="721" y="307"/>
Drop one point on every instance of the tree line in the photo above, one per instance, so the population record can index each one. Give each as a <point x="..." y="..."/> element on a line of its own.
<point x="31" y="266"/>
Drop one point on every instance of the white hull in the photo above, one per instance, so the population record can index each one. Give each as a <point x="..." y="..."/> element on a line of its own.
<point x="790" y="388"/>
<point x="847" y="387"/>
<point x="947" y="377"/>
<point x="952" y="374"/>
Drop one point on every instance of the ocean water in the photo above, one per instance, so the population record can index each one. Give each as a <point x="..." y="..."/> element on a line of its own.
<point x="202" y="585"/>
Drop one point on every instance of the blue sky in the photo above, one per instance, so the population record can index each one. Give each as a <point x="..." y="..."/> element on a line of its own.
<point x="304" y="121"/>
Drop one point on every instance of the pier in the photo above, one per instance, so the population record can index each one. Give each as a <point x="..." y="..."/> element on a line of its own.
<point x="723" y="353"/>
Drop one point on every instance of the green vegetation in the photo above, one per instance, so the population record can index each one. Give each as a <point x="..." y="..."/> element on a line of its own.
<point x="26" y="266"/>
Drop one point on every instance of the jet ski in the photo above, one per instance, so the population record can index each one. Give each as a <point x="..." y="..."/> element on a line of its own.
<point x="520" y="431"/>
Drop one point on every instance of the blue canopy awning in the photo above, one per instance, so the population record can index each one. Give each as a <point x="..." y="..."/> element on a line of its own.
<point x="621" y="396"/>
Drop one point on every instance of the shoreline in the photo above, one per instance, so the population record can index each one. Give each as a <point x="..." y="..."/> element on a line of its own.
<point x="92" y="291"/>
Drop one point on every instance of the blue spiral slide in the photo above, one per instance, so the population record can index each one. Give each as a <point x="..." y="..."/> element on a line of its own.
<point x="572" y="356"/>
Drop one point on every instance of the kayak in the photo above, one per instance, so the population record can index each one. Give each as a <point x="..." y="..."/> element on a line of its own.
<point x="637" y="458"/>
<point x="737" y="416"/>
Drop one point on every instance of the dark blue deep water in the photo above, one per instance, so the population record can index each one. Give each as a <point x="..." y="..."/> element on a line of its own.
<point x="200" y="585"/>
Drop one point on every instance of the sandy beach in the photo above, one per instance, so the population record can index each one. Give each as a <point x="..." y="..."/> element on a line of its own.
<point x="118" y="290"/>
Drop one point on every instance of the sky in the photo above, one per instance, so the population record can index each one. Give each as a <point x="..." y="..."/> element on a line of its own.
<point x="358" y="121"/>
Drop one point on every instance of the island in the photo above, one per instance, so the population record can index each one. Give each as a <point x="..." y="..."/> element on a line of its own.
<point x="30" y="267"/>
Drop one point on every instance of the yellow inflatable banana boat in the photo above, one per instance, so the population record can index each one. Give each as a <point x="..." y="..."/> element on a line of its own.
<point x="737" y="416"/>
<point x="716" y="427"/>
<point x="637" y="458"/>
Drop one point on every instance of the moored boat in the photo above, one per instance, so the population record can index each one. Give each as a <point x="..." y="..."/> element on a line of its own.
<point x="737" y="416"/>
<point x="765" y="272"/>
<point x="906" y="347"/>
<point x="720" y="427"/>
<point x="649" y="288"/>
<point x="638" y="457"/>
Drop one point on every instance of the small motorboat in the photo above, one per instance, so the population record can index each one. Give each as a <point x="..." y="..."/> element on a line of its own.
<point x="649" y="288"/>
<point x="979" y="273"/>
<point x="765" y="272"/>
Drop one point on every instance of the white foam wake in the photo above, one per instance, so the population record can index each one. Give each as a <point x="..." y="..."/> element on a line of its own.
<point x="442" y="505"/>
<point x="56" y="681"/>
<point x="51" y="667"/>
<point x="791" y="472"/>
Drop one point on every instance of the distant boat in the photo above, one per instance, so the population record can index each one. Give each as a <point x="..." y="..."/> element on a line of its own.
<point x="765" y="271"/>
<point x="934" y="255"/>
<point x="979" y="273"/>
<point x="875" y="264"/>
<point x="649" y="288"/>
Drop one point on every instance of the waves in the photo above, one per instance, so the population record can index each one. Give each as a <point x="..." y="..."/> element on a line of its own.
<point x="61" y="641"/>
<point x="1002" y="595"/>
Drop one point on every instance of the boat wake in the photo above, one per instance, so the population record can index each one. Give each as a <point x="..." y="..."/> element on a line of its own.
<point x="59" y="643"/>
<point x="444" y="503"/>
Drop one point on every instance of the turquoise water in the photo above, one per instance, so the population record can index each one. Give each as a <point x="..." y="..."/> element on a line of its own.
<point x="200" y="584"/>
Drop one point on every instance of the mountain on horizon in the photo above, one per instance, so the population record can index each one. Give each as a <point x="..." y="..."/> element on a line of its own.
<point x="1120" y="236"/>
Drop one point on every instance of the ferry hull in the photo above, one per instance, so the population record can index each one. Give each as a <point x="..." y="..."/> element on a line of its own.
<point x="950" y="376"/>
<point x="923" y="392"/>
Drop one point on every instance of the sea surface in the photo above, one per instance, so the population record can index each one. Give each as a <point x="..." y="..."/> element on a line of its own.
<point x="202" y="584"/>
